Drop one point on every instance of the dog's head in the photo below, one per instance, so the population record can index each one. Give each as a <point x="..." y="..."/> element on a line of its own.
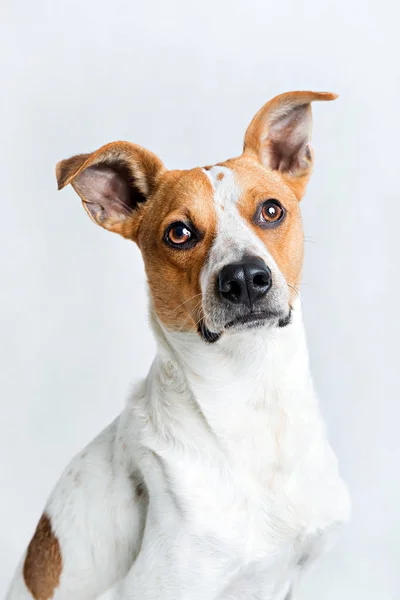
<point x="223" y="244"/>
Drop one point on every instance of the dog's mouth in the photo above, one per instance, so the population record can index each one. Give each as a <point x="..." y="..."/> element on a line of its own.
<point x="252" y="320"/>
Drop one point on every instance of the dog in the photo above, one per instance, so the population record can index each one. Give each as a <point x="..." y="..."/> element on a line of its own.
<point x="217" y="481"/>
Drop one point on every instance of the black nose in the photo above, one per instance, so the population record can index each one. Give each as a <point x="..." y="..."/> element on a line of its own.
<point x="245" y="282"/>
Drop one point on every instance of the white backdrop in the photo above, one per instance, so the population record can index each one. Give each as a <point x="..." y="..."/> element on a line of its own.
<point x="184" y="79"/>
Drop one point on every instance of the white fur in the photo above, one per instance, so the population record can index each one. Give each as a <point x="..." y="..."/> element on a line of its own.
<point x="242" y="486"/>
<point x="234" y="239"/>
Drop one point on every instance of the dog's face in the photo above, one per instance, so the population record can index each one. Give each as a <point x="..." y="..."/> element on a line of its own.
<point x="222" y="245"/>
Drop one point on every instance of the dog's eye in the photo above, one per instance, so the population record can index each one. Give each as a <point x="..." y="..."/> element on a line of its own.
<point x="271" y="212"/>
<point x="180" y="235"/>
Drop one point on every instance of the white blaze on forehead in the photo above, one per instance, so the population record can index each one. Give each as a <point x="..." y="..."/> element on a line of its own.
<point x="234" y="236"/>
<point x="226" y="190"/>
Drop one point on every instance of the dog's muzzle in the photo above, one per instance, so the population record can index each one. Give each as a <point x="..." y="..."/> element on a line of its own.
<point x="242" y="297"/>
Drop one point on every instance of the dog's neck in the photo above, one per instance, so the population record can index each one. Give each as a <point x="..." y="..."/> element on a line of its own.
<point x="245" y="376"/>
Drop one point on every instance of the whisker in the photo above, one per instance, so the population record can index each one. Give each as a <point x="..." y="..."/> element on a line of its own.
<point x="197" y="323"/>
<point x="186" y="321"/>
<point x="185" y="302"/>
<point x="294" y="288"/>
<point x="190" y="315"/>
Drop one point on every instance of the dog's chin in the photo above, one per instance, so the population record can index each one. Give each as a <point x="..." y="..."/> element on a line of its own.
<point x="253" y="320"/>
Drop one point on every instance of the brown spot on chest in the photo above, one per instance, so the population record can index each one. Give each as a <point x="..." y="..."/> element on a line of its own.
<point x="43" y="562"/>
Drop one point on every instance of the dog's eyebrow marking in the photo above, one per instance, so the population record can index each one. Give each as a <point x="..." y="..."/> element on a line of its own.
<point x="43" y="562"/>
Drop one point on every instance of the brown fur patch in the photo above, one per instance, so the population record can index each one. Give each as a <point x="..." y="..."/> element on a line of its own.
<point x="43" y="562"/>
<point x="220" y="176"/>
<point x="174" y="275"/>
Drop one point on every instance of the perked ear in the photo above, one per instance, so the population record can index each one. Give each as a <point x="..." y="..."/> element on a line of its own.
<point x="279" y="136"/>
<point x="112" y="183"/>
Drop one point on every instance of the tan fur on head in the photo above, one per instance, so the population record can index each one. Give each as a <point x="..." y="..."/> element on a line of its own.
<point x="174" y="276"/>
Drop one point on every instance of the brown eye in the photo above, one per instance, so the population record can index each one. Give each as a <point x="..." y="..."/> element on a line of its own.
<point x="180" y="235"/>
<point x="271" y="212"/>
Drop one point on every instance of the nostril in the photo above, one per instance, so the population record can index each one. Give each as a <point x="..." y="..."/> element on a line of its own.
<point x="225" y="286"/>
<point x="231" y="289"/>
<point x="261" y="279"/>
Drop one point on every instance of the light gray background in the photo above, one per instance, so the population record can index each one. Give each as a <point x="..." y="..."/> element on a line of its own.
<point x="184" y="79"/>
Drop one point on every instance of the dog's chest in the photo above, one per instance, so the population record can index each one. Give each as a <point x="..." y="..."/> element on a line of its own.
<point x="261" y="495"/>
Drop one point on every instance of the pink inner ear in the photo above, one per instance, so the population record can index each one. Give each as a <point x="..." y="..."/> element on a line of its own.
<point x="108" y="191"/>
<point x="288" y="138"/>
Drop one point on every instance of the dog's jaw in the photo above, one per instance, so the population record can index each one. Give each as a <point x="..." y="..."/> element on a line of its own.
<point x="208" y="336"/>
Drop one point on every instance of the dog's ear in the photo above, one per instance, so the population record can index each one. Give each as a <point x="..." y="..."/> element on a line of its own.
<point x="280" y="134"/>
<point x="113" y="182"/>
